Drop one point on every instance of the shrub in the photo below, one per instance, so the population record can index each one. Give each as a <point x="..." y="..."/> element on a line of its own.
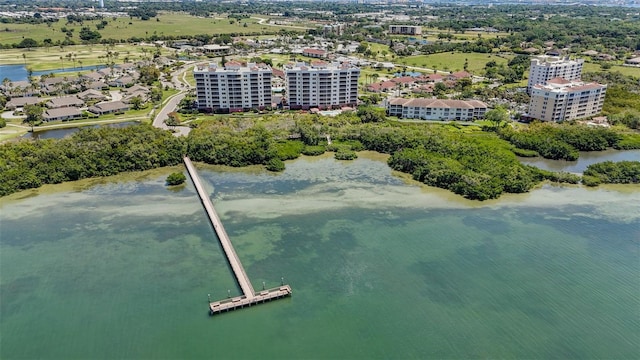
<point x="275" y="165"/>
<point x="590" y="180"/>
<point x="176" y="178"/>
<point x="345" y="155"/>
<point x="561" y="177"/>
<point x="288" y="150"/>
<point x="313" y="150"/>
<point x="525" y="152"/>
<point x="609" y="172"/>
<point x="628" y="142"/>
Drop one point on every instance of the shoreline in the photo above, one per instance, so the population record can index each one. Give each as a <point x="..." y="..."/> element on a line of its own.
<point x="402" y="195"/>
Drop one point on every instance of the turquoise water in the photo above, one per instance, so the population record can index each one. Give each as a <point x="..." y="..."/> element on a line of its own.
<point x="586" y="158"/>
<point x="121" y="268"/>
<point x="61" y="133"/>
<point x="20" y="73"/>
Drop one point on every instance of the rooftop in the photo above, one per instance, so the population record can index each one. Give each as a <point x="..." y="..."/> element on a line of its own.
<point x="562" y="85"/>
<point x="438" y="103"/>
<point x="232" y="66"/>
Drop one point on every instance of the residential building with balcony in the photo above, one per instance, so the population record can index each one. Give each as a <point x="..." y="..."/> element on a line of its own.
<point x="405" y="30"/>
<point x="315" y="53"/>
<point x="545" y="68"/>
<point x="436" y="109"/>
<point x="562" y="100"/>
<point x="337" y="29"/>
<point x="322" y="85"/>
<point x="233" y="88"/>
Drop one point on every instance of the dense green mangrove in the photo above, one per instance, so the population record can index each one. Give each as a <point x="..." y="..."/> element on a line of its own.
<point x="467" y="160"/>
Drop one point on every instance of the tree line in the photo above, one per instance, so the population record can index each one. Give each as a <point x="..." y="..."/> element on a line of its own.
<point x="87" y="153"/>
<point x="473" y="163"/>
<point x="563" y="141"/>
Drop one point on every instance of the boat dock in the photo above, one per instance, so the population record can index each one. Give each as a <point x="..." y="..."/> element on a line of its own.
<point x="249" y="296"/>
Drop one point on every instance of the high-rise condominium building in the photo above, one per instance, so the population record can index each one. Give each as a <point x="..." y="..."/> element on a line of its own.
<point x="545" y="68"/>
<point x="321" y="84"/>
<point x="234" y="87"/>
<point x="405" y="29"/>
<point x="561" y="100"/>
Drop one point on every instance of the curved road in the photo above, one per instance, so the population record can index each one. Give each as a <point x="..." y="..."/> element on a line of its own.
<point x="173" y="101"/>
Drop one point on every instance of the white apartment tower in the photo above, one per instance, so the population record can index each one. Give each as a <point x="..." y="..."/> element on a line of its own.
<point x="234" y="87"/>
<point x="405" y="29"/>
<point x="561" y="100"/>
<point x="545" y="68"/>
<point x="322" y="85"/>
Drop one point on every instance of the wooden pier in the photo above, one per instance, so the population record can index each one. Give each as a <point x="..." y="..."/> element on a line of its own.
<point x="249" y="296"/>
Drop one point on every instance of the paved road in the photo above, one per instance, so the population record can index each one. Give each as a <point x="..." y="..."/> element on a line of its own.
<point x="177" y="81"/>
<point x="163" y="114"/>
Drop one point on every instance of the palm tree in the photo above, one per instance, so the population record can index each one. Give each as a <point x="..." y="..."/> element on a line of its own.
<point x="33" y="83"/>
<point x="68" y="56"/>
<point x="6" y="83"/>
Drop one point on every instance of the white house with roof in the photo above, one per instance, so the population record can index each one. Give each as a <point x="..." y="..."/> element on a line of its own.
<point x="436" y="109"/>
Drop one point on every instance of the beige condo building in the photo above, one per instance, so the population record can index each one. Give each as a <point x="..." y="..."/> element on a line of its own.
<point x="561" y="100"/>
<point x="234" y="87"/>
<point x="321" y="84"/>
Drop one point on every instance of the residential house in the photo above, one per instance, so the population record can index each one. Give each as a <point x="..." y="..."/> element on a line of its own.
<point x="314" y="53"/>
<point x="431" y="78"/>
<point x="93" y="76"/>
<point x="96" y="85"/>
<point x="633" y="61"/>
<point x="123" y="81"/>
<point x="382" y="86"/>
<point x="109" y="107"/>
<point x="18" y="102"/>
<point x="458" y="76"/>
<point x="92" y="95"/>
<point x="135" y="91"/>
<point x="65" y="113"/>
<point x="65" y="101"/>
<point x="217" y="50"/>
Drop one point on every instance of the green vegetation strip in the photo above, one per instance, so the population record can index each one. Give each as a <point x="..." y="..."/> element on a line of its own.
<point x="475" y="163"/>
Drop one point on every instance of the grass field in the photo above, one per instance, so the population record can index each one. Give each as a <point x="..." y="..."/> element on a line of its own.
<point x="83" y="55"/>
<point x="454" y="61"/>
<point x="378" y="50"/>
<point x="625" y="70"/>
<point x="121" y="29"/>
<point x="432" y="35"/>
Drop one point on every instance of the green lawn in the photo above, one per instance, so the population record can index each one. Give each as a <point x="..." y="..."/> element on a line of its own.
<point x="82" y="55"/>
<point x="432" y="35"/>
<point x="454" y="61"/>
<point x="121" y="29"/>
<point x="625" y="70"/>
<point x="378" y="49"/>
